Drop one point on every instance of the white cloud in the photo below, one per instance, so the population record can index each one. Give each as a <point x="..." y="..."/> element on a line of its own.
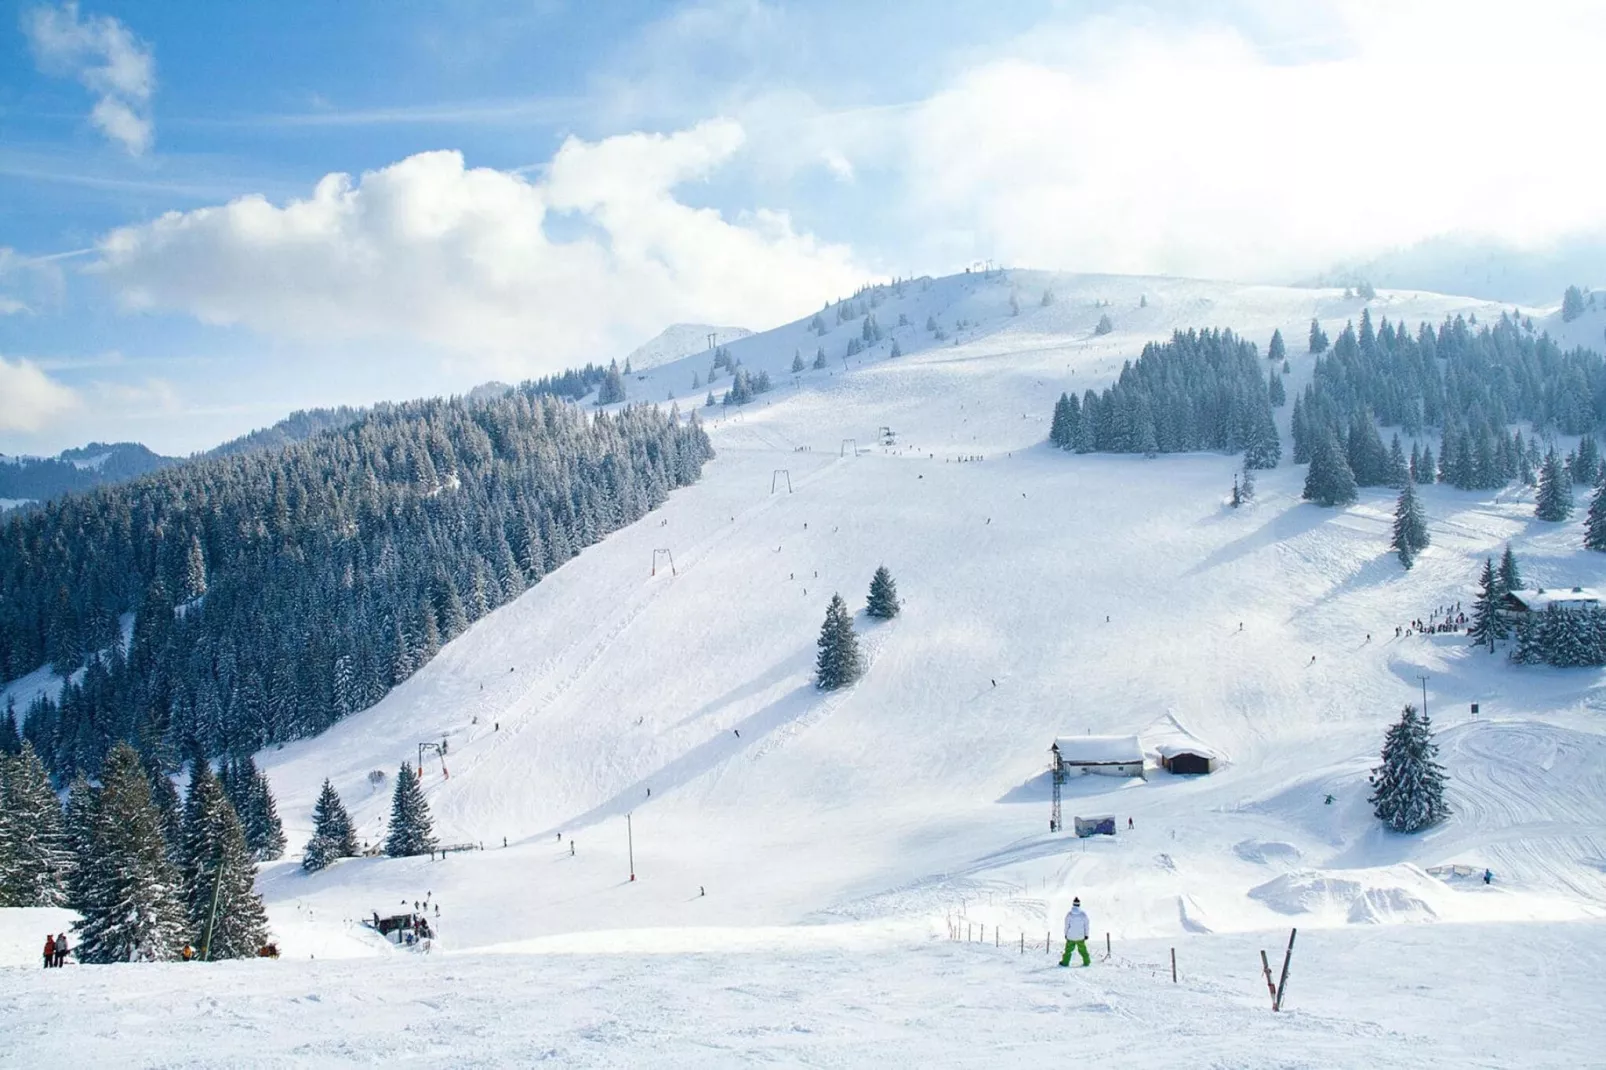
<point x="1193" y="149"/>
<point x="466" y="259"/>
<point x="30" y="399"/>
<point x="107" y="60"/>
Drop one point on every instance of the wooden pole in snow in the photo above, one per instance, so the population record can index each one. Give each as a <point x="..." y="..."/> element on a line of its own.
<point x="1173" y="965"/>
<point x="1288" y="955"/>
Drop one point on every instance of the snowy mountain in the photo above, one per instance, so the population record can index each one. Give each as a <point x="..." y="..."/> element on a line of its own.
<point x="681" y="340"/>
<point x="637" y="745"/>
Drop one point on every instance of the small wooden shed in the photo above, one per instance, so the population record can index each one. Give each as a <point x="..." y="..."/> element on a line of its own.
<point x="1187" y="758"/>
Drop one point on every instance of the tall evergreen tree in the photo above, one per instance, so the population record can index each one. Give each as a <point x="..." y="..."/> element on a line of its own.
<point x="412" y="831"/>
<point x="1318" y="337"/>
<point x="10" y="737"/>
<point x="1410" y="528"/>
<point x="838" y="663"/>
<point x="35" y="854"/>
<point x="194" y="585"/>
<point x="1555" y="499"/>
<point x="333" y="836"/>
<point x="797" y="361"/>
<point x="1510" y="574"/>
<point x="1275" y="389"/>
<point x="219" y="874"/>
<point x="164" y="796"/>
<point x="1428" y="472"/>
<point x="252" y="798"/>
<point x="1276" y="350"/>
<point x="1595" y="525"/>
<point x="124" y="888"/>
<point x="883" y="600"/>
<point x="1399" y="473"/>
<point x="1329" y="480"/>
<point x="1408" y="787"/>
<point x="1488" y="623"/>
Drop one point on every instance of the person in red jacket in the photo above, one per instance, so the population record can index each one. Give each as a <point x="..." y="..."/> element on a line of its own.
<point x="50" y="951"/>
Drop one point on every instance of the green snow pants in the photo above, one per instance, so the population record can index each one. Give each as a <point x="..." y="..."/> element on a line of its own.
<point x="1075" y="945"/>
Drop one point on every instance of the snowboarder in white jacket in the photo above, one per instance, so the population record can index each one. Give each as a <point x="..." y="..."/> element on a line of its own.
<point x="1076" y="930"/>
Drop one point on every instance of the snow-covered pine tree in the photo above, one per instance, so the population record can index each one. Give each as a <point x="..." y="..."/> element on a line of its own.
<point x="1510" y="574"/>
<point x="1061" y="431"/>
<point x="124" y="888"/>
<point x="1329" y="480"/>
<point x="35" y="855"/>
<point x="1399" y="472"/>
<point x="1277" y="350"/>
<point x="1048" y="298"/>
<point x="1275" y="389"/>
<point x="896" y="350"/>
<point x="612" y="389"/>
<point x="1555" y="499"/>
<point x="819" y="358"/>
<point x="1410" y="527"/>
<point x="332" y="834"/>
<point x="194" y="572"/>
<point x="218" y="868"/>
<point x="1318" y="337"/>
<point x="838" y="663"/>
<point x="1595" y="524"/>
<point x="1428" y="470"/>
<point x="710" y="403"/>
<point x="1237" y="495"/>
<point x="1408" y="787"/>
<point x="883" y="600"/>
<point x="1488" y="623"/>
<point x="1104" y="325"/>
<point x="252" y="798"/>
<point x="1572" y="304"/>
<point x="797" y="361"/>
<point x="412" y="832"/>
<point x="1246" y="487"/>
<point x="1528" y="647"/>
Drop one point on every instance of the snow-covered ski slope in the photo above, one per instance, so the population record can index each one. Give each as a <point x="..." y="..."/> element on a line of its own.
<point x="1044" y="594"/>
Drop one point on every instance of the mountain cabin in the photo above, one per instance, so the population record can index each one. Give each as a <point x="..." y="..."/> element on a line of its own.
<point x="1540" y="598"/>
<point x="1104" y="755"/>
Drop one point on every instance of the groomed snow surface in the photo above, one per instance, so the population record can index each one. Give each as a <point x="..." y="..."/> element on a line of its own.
<point x="840" y="838"/>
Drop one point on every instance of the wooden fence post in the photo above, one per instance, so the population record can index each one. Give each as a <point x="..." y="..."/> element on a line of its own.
<point x="1173" y="965"/>
<point x="1106" y="947"/>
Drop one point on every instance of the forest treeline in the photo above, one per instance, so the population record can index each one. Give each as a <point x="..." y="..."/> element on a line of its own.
<point x="270" y="593"/>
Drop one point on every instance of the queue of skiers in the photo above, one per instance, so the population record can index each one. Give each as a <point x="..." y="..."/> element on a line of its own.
<point x="56" y="950"/>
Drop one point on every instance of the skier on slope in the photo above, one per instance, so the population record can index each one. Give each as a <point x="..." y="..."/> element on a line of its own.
<point x="1076" y="930"/>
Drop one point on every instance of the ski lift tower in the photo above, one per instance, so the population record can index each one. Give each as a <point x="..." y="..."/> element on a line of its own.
<point x="438" y="749"/>
<point x="1055" y="821"/>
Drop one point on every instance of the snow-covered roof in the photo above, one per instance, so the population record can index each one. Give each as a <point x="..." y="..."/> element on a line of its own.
<point x="1171" y="750"/>
<point x="1538" y="598"/>
<point x="1099" y="750"/>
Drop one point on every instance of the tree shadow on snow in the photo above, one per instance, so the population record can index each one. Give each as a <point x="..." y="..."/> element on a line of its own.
<point x="1282" y="526"/>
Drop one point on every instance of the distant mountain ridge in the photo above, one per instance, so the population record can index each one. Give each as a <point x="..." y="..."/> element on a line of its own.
<point x="38" y="479"/>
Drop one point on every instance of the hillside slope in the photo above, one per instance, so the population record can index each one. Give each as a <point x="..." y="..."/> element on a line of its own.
<point x="1045" y="593"/>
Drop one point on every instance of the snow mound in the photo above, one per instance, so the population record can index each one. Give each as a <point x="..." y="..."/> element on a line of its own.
<point x="1390" y="894"/>
<point x="1266" y="852"/>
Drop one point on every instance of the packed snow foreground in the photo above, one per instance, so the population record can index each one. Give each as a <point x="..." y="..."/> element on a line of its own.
<point x="710" y="861"/>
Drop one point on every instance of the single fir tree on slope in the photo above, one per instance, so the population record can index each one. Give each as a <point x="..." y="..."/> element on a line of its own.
<point x="1555" y="499"/>
<point x="838" y="663"/>
<point x="35" y="854"/>
<point x="883" y="600"/>
<point x="124" y="888"/>
<point x="1510" y="574"/>
<point x="1329" y="480"/>
<point x="332" y="834"/>
<point x="412" y="832"/>
<point x="1408" y="788"/>
<point x="1410" y="528"/>
<point x="248" y="790"/>
<point x="219" y="875"/>
<point x="1488" y="624"/>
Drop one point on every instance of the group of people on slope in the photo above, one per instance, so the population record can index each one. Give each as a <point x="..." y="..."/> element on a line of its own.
<point x="56" y="950"/>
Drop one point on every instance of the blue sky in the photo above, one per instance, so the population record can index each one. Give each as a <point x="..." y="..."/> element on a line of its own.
<point x="532" y="185"/>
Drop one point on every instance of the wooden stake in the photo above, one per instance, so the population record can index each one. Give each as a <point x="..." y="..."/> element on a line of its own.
<point x="1173" y="965"/>
<point x="1271" y="989"/>
<point x="1288" y="955"/>
<point x="1106" y="947"/>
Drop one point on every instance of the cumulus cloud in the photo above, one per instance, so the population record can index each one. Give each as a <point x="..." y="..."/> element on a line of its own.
<point x="101" y="53"/>
<point x="30" y="399"/>
<point x="1198" y="148"/>
<point x="533" y="273"/>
